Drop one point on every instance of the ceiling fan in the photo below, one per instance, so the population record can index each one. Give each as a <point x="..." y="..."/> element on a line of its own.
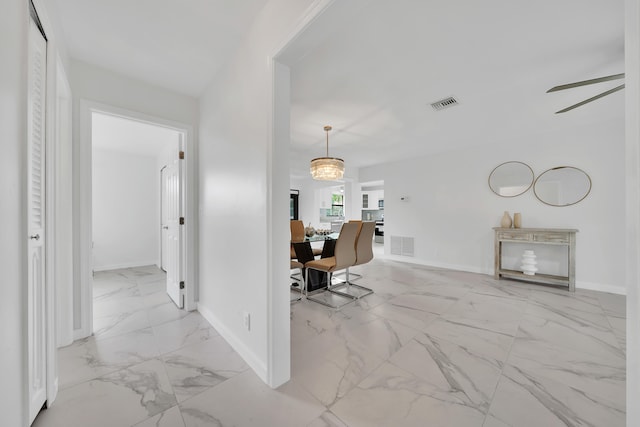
<point x="589" y="82"/>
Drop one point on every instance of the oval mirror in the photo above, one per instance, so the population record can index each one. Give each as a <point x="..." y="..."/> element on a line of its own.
<point x="511" y="179"/>
<point x="562" y="186"/>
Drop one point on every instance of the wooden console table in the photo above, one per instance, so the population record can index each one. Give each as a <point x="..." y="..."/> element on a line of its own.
<point x="543" y="236"/>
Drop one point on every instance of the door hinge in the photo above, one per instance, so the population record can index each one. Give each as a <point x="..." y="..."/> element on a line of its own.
<point x="181" y="220"/>
<point x="181" y="285"/>
<point x="181" y="155"/>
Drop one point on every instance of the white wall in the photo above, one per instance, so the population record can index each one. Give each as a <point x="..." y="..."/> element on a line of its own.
<point x="308" y="211"/>
<point x="126" y="210"/>
<point x="104" y="86"/>
<point x="13" y="117"/>
<point x="451" y="210"/>
<point x="237" y="178"/>
<point x="632" y="154"/>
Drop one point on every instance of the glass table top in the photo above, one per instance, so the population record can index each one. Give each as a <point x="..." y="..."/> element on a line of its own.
<point x="321" y="237"/>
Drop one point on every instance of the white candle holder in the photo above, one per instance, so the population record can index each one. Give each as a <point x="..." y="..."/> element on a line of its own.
<point x="529" y="263"/>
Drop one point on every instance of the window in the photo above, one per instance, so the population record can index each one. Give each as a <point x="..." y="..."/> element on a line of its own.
<point x="293" y="204"/>
<point x="337" y="205"/>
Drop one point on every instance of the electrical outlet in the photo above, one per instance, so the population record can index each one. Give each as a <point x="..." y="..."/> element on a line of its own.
<point x="246" y="318"/>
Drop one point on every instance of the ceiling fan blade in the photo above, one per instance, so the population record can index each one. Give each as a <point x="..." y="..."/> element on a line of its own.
<point x="593" y="98"/>
<point x="587" y="82"/>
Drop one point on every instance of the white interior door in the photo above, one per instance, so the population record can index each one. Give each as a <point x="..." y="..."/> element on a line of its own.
<point x="37" y="339"/>
<point x="173" y="266"/>
<point x="163" y="218"/>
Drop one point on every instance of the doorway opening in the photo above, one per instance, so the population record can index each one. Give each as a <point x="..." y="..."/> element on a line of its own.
<point x="127" y="227"/>
<point x="120" y="228"/>
<point x="373" y="210"/>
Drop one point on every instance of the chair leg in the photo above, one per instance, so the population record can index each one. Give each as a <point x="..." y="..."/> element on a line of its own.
<point x="299" y="280"/>
<point x="306" y="280"/>
<point x="326" y="296"/>
<point x="352" y="276"/>
<point x="299" y="288"/>
<point x="349" y="289"/>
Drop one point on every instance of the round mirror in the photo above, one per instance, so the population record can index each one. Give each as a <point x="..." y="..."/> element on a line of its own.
<point x="511" y="179"/>
<point x="562" y="186"/>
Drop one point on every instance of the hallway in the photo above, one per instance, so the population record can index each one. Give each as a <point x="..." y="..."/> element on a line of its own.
<point x="431" y="347"/>
<point x="146" y="356"/>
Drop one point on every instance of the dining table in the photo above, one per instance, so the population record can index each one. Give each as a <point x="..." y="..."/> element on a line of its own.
<point x="304" y="253"/>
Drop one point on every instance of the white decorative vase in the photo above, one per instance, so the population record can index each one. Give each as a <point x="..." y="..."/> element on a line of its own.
<point x="517" y="220"/>
<point x="529" y="263"/>
<point x="506" y="220"/>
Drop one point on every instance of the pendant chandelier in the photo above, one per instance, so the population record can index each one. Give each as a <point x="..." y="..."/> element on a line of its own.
<point x="327" y="168"/>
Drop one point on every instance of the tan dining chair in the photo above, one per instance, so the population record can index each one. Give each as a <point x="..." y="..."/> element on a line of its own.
<point x="344" y="256"/>
<point x="343" y="273"/>
<point x="364" y="254"/>
<point x="297" y="235"/>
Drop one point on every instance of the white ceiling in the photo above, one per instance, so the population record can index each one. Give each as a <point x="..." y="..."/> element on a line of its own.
<point x="130" y="136"/>
<point x="370" y="68"/>
<point x="373" y="76"/>
<point x="175" y="44"/>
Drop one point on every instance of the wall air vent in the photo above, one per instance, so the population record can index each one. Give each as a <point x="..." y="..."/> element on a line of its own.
<point x="444" y="103"/>
<point x="402" y="246"/>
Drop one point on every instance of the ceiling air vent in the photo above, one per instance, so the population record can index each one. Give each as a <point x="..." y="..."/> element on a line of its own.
<point x="444" y="103"/>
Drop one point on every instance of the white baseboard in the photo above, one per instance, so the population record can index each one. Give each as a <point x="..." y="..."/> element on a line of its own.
<point x="124" y="265"/>
<point x="258" y="366"/>
<point x="600" y="287"/>
<point x="436" y="264"/>
<point x="81" y="333"/>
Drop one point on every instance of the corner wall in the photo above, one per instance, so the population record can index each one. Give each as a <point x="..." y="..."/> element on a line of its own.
<point x="239" y="179"/>
<point x="451" y="210"/>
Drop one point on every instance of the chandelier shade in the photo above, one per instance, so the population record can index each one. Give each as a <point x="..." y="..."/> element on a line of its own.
<point x="327" y="168"/>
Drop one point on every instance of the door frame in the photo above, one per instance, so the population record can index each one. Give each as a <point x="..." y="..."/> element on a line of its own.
<point x="60" y="197"/>
<point x="83" y="301"/>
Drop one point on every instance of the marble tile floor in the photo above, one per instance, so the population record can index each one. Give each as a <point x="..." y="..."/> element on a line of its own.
<point x="431" y="347"/>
